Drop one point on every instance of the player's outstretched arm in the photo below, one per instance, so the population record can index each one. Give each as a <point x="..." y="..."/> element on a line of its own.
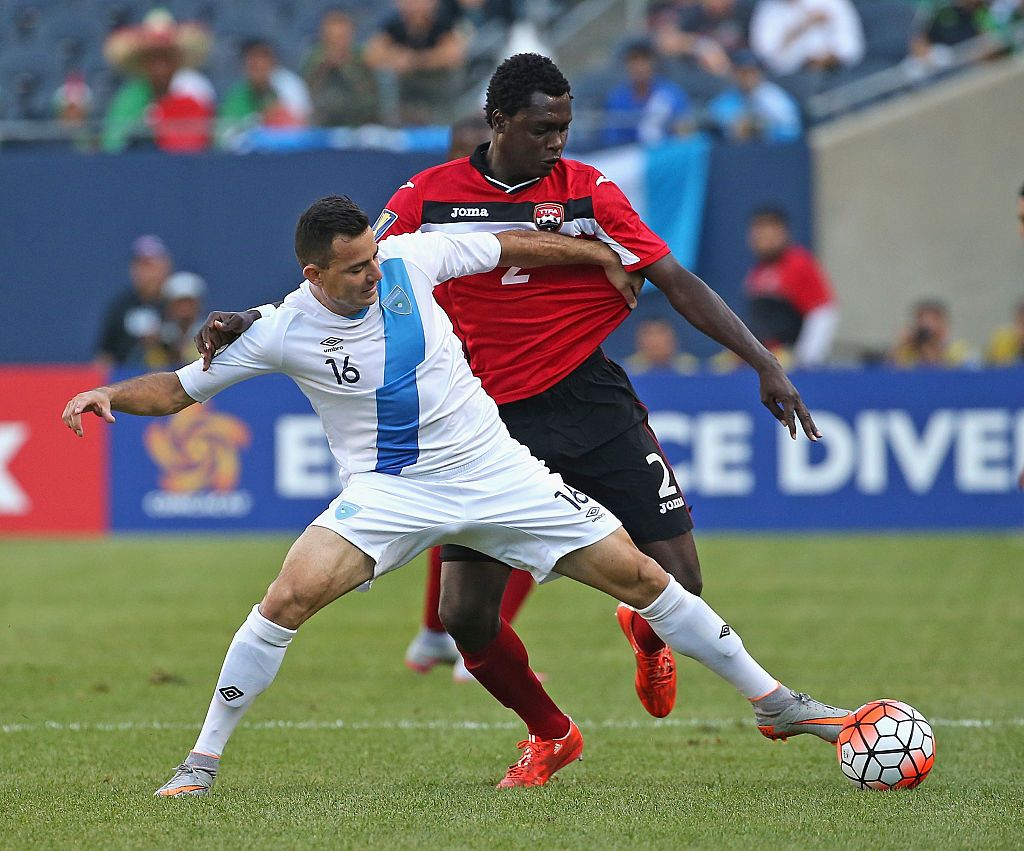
<point x="526" y="249"/>
<point x="703" y="308"/>
<point x="154" y="395"/>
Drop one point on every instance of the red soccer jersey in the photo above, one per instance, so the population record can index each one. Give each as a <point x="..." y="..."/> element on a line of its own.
<point x="793" y="277"/>
<point x="526" y="329"/>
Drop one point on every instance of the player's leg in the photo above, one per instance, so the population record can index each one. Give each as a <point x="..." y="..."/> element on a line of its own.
<point x="691" y="627"/>
<point x="320" y="567"/>
<point x="472" y="590"/>
<point x="630" y="476"/>
<point x="517" y="589"/>
<point x="432" y="645"/>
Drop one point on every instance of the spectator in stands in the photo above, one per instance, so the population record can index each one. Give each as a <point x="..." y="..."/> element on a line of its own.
<point x="950" y="24"/>
<point x="1006" y="345"/>
<point x="806" y="35"/>
<point x="468" y="134"/>
<point x="424" y="49"/>
<point x="165" y="102"/>
<point x="72" y="104"/>
<point x="657" y="350"/>
<point x="269" y="95"/>
<point x="926" y="341"/>
<point x="754" y="108"/>
<point x="791" y="304"/>
<point x="132" y="328"/>
<point x="706" y="33"/>
<point x="343" y="88"/>
<point x="183" y="316"/>
<point x="646" y="107"/>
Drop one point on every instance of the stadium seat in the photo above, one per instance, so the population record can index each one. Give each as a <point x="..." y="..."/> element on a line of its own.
<point x="888" y="25"/>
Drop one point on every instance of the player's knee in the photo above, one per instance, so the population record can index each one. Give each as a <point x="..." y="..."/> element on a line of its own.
<point x="648" y="580"/>
<point x="692" y="580"/>
<point x="287" y="604"/>
<point x="472" y="627"/>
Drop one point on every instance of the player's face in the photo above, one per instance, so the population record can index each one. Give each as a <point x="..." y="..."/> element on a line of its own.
<point x="533" y="139"/>
<point x="349" y="283"/>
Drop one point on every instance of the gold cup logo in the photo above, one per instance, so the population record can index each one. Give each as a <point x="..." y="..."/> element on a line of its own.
<point x="198" y="450"/>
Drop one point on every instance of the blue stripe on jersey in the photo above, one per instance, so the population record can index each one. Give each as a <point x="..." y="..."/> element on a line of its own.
<point x="398" y="398"/>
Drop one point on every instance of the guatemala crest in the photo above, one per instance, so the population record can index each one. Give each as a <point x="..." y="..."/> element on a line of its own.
<point x="548" y="216"/>
<point x="397" y="302"/>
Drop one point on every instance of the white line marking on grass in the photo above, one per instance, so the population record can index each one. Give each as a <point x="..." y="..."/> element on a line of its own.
<point x="443" y="724"/>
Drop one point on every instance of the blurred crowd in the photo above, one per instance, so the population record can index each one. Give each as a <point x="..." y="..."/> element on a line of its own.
<point x="792" y="309"/>
<point x="742" y="69"/>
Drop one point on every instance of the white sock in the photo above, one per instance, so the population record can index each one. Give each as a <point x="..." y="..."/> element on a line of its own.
<point x="689" y="625"/>
<point x="252" y="662"/>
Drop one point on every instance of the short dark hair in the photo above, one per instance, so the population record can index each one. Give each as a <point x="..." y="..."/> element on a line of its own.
<point x="517" y="78"/>
<point x="1022" y="190"/>
<point x="335" y="215"/>
<point x="256" y="44"/>
<point x="931" y="305"/>
<point x="772" y="214"/>
<point x="641" y="49"/>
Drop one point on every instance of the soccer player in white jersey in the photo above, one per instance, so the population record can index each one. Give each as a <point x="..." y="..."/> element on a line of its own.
<point x="424" y="455"/>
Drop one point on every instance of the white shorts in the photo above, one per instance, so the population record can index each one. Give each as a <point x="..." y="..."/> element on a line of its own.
<point x="509" y="506"/>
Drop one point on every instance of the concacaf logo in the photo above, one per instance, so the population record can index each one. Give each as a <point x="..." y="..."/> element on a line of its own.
<point x="198" y="450"/>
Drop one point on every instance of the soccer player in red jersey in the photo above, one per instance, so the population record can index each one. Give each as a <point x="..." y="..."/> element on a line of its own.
<point x="533" y="339"/>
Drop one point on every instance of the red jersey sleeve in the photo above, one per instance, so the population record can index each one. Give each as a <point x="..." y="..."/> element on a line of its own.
<point x="403" y="213"/>
<point x="806" y="286"/>
<point x="622" y="228"/>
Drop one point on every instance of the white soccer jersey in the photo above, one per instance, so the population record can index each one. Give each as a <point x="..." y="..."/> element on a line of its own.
<point x="391" y="385"/>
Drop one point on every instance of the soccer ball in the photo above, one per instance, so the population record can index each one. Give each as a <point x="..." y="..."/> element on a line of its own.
<point x="886" y="744"/>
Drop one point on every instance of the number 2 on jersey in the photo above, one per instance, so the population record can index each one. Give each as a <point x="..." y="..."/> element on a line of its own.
<point x="347" y="374"/>
<point x="667" y="488"/>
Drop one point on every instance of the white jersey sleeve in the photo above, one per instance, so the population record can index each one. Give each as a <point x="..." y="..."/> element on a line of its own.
<point x="443" y="256"/>
<point x="256" y="352"/>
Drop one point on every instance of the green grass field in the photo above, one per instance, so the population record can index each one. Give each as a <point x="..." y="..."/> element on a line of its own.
<point x="109" y="651"/>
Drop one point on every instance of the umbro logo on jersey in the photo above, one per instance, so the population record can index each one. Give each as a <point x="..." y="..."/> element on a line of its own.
<point x="332" y="344"/>
<point x="548" y="216"/>
<point x="470" y="213"/>
<point x="726" y="630"/>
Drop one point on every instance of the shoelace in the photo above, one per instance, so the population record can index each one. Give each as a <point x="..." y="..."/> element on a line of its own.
<point x="661" y="668"/>
<point x="518" y="768"/>
<point x="804" y="698"/>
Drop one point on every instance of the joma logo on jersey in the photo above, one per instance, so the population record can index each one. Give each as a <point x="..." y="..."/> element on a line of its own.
<point x="470" y="213"/>
<point x="672" y="505"/>
<point x="548" y="216"/>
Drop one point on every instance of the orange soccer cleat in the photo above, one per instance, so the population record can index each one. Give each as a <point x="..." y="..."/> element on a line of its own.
<point x="543" y="757"/>
<point x="655" y="672"/>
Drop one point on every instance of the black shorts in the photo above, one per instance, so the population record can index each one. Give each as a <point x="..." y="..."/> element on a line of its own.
<point x="591" y="429"/>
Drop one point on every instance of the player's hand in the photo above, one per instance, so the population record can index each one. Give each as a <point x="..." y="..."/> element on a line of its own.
<point x="219" y="330"/>
<point x="96" y="401"/>
<point x="780" y="397"/>
<point x="628" y="284"/>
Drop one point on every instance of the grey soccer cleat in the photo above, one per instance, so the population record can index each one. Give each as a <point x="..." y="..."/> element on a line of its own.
<point x="784" y="713"/>
<point x="431" y="648"/>
<point x="193" y="778"/>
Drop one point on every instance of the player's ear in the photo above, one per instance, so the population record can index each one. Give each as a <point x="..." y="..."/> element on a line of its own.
<point x="311" y="273"/>
<point x="499" y="121"/>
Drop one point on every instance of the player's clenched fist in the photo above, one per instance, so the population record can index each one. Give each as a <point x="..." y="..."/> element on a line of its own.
<point x="97" y="401"/>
